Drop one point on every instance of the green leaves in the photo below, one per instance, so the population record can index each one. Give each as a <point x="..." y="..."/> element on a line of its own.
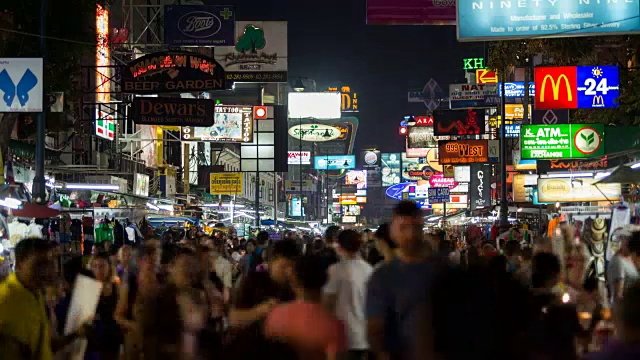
<point x="591" y="138"/>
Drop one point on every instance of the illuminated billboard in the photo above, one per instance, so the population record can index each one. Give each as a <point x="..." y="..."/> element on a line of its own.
<point x="231" y="123"/>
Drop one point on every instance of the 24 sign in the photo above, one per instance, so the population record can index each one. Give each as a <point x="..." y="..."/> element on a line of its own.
<point x="577" y="87"/>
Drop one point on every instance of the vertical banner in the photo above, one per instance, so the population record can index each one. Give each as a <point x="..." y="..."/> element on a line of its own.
<point x="480" y="186"/>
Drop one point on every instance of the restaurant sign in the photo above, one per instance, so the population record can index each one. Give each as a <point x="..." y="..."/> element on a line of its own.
<point x="172" y="72"/>
<point x="463" y="152"/>
<point x="314" y="132"/>
<point x="562" y="141"/>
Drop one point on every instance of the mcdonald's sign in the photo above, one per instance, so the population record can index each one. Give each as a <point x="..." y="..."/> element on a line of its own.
<point x="556" y="87"/>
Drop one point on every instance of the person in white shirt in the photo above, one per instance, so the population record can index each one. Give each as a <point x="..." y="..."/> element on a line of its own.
<point x="222" y="268"/>
<point x="346" y="289"/>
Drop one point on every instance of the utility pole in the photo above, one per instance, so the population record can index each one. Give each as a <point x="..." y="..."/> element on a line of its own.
<point x="39" y="190"/>
<point x="504" y="205"/>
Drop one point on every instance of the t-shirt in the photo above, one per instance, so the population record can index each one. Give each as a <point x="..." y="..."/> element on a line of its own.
<point x="223" y="269"/>
<point x="348" y="281"/>
<point x="396" y="293"/>
<point x="308" y="327"/>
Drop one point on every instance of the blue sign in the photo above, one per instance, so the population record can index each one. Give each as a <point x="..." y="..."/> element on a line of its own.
<point x="334" y="162"/>
<point x="439" y="195"/>
<point x="598" y="86"/>
<point x="511" y="131"/>
<point x="516" y="89"/>
<point x="514" y="19"/>
<point x="395" y="192"/>
<point x="199" y="25"/>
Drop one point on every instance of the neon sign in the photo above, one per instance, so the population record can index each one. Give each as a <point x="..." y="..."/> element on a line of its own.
<point x="105" y="124"/>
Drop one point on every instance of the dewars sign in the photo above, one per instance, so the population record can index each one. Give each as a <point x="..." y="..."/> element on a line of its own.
<point x="199" y="25"/>
<point x="173" y="111"/>
<point x="463" y="152"/>
<point x="172" y="72"/>
<point x="577" y="87"/>
<point x="314" y="132"/>
<point x="562" y="141"/>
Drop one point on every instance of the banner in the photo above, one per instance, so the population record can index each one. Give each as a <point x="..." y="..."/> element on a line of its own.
<point x="480" y="186"/>
<point x="420" y="138"/>
<point x="411" y="12"/>
<point x="172" y="72"/>
<point x="21" y="85"/>
<point x="459" y="122"/>
<point x="390" y="169"/>
<point x="260" y="53"/>
<point x="577" y="87"/>
<point x="173" y="111"/>
<point x="576" y="189"/>
<point x="562" y="141"/>
<point x="463" y="96"/>
<point x="463" y="151"/>
<point x="225" y="183"/>
<point x="506" y="20"/>
<point x="199" y="25"/>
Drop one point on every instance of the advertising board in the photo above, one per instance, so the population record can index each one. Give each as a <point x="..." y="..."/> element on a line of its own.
<point x="575" y="189"/>
<point x="21" y="85"/>
<point x="550" y="117"/>
<point x="463" y="152"/>
<point x="356" y="177"/>
<point x="315" y="105"/>
<point x="199" y="25"/>
<point x="370" y="158"/>
<point x="480" y="186"/>
<point x="462" y="173"/>
<point x="511" y="131"/>
<point x="173" y="111"/>
<point x="459" y="122"/>
<point x="390" y="169"/>
<point x="421" y="137"/>
<point x="522" y="187"/>
<point x="231" y="123"/>
<point x="463" y="96"/>
<point x="296" y="186"/>
<point x="510" y="20"/>
<point x="562" y="141"/>
<point x="603" y="163"/>
<point x="334" y="162"/>
<point x="438" y="195"/>
<point x="577" y="87"/>
<point x="515" y="89"/>
<point x="349" y="98"/>
<point x="414" y="169"/>
<point x="225" y="183"/>
<point x="515" y="111"/>
<point x="315" y="132"/>
<point x="299" y="157"/>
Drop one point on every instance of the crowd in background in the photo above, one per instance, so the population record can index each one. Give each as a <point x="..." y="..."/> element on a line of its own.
<point x="396" y="293"/>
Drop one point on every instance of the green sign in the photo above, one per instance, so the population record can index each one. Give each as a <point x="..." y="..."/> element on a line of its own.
<point x="562" y="141"/>
<point x="473" y="63"/>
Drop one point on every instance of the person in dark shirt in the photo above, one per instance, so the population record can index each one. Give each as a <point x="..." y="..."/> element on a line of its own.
<point x="259" y="292"/>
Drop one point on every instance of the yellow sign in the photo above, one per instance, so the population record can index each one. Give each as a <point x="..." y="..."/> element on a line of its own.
<point x="485" y="76"/>
<point x="515" y="111"/>
<point x="495" y="121"/>
<point x="349" y="98"/>
<point x="555" y="86"/>
<point x="225" y="183"/>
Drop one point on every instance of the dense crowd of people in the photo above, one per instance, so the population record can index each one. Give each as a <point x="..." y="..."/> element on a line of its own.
<point x="396" y="293"/>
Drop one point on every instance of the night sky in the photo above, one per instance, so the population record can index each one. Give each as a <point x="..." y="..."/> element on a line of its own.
<point x="330" y="42"/>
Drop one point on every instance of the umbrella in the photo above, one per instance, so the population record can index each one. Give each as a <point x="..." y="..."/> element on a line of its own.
<point x="622" y="174"/>
<point x="30" y="210"/>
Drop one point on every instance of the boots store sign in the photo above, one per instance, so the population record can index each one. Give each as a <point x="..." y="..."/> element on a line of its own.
<point x="172" y="72"/>
<point x="199" y="25"/>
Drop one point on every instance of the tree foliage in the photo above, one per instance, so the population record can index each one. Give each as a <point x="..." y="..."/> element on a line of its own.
<point x="604" y="50"/>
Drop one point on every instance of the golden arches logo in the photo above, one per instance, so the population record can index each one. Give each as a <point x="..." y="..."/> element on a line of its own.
<point x="598" y="100"/>
<point x="555" y="86"/>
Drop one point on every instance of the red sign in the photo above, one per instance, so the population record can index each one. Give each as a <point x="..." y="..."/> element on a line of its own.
<point x="484" y="76"/>
<point x="438" y="180"/>
<point x="259" y="112"/>
<point x="463" y="152"/>
<point x="424" y="120"/>
<point x="556" y="87"/>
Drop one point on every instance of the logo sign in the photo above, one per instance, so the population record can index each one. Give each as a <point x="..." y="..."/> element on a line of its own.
<point x="419" y="120"/>
<point x="448" y="171"/>
<point x="356" y="177"/>
<point x="411" y="12"/>
<point x="573" y="87"/>
<point x="105" y="125"/>
<point x="575" y="189"/>
<point x="349" y="99"/>
<point x="260" y="112"/>
<point x="438" y="195"/>
<point x="459" y="122"/>
<point x="485" y="76"/>
<point x="21" y="85"/>
<point x="296" y="186"/>
<point x="314" y="132"/>
<point x="515" y="111"/>
<point x="414" y="169"/>
<point x="431" y="95"/>
<point x="511" y="131"/>
<point x="231" y="123"/>
<point x="462" y="173"/>
<point x="516" y="89"/>
<point x="473" y="63"/>
<point x="172" y="72"/>
<point x="390" y="169"/>
<point x="334" y="162"/>
<point x="438" y="180"/>
<point x="225" y="183"/>
<point x="421" y="137"/>
<point x="546" y="166"/>
<point x="260" y="53"/>
<point x="550" y="117"/>
<point x="199" y="25"/>
<point x="492" y="20"/>
<point x="480" y="186"/>
<point x="462" y="96"/>
<point x="299" y="157"/>
<point x="562" y="141"/>
<point x="370" y="158"/>
<point x="463" y="152"/>
<point x="173" y="111"/>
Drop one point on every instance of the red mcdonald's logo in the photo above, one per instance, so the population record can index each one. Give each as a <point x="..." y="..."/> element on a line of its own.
<point x="556" y="87"/>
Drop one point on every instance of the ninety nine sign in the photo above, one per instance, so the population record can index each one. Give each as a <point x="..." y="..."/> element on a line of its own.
<point x="577" y="87"/>
<point x="562" y="141"/>
<point x="463" y="152"/>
